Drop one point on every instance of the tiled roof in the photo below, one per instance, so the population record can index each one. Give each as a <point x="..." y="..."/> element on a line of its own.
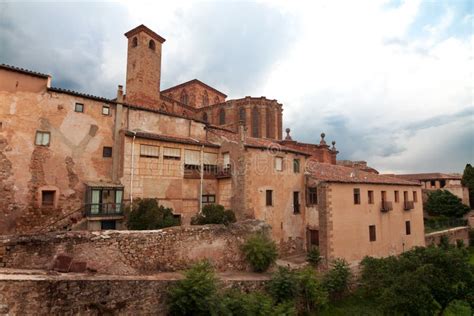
<point x="429" y="176"/>
<point x="195" y="81"/>
<point x="24" y="71"/>
<point x="80" y="94"/>
<point x="272" y="145"/>
<point x="171" y="139"/>
<point x="336" y="173"/>
<point x="143" y="28"/>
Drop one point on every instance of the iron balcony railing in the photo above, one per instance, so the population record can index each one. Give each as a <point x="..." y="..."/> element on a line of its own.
<point x="210" y="172"/>
<point x="386" y="206"/>
<point x="104" y="209"/>
<point x="408" y="205"/>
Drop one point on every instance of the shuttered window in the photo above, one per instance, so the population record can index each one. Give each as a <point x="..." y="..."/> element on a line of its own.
<point x="149" y="151"/>
<point x="226" y="158"/>
<point x="210" y="159"/>
<point x="191" y="157"/>
<point x="278" y="163"/>
<point x="171" y="153"/>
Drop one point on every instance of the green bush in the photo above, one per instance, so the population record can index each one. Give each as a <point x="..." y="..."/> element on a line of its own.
<point x="312" y="295"/>
<point x="146" y="214"/>
<point x="237" y="303"/>
<point x="286" y="308"/>
<point x="283" y="285"/>
<point x="313" y="257"/>
<point x="196" y="294"/>
<point x="260" y="251"/>
<point x="444" y="203"/>
<point x="213" y="214"/>
<point x="336" y="280"/>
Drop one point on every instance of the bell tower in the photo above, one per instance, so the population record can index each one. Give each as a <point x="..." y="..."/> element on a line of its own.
<point x="143" y="67"/>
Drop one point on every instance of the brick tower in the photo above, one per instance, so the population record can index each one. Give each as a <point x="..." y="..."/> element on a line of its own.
<point x="143" y="67"/>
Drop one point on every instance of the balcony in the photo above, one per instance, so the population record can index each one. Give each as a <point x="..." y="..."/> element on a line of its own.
<point x="386" y="206"/>
<point x="224" y="172"/>
<point x="210" y="172"/>
<point x="408" y="205"/>
<point x="104" y="209"/>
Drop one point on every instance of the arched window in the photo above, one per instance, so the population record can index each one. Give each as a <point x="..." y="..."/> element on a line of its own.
<point x="205" y="99"/>
<point x="184" y="97"/>
<point x="242" y="117"/>
<point x="204" y="117"/>
<point x="222" y="117"/>
<point x="151" y="44"/>
<point x="134" y="42"/>
<point x="216" y="100"/>
<point x="255" y="123"/>
<point x="269" y="122"/>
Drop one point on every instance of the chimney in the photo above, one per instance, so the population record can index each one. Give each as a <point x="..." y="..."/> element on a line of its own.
<point x="120" y="94"/>
<point x="143" y="67"/>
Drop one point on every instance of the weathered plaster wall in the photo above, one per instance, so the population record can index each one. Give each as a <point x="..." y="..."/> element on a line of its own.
<point x="453" y="234"/>
<point x="134" y="252"/>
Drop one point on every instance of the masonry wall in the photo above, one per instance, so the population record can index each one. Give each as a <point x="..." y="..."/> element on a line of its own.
<point x="134" y="252"/>
<point x="196" y="94"/>
<point x="453" y="234"/>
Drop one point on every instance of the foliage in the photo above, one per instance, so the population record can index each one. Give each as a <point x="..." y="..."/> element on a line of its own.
<point x="196" y="294"/>
<point x="286" y="308"/>
<point x="260" y="251"/>
<point x="336" y="280"/>
<point x="146" y="214"/>
<point x="213" y="214"/>
<point x="314" y="257"/>
<point x="283" y="285"/>
<point x="236" y="303"/>
<point x="312" y="295"/>
<point x="471" y="237"/>
<point x="468" y="181"/>
<point x="420" y="281"/>
<point x="444" y="203"/>
<point x="444" y="242"/>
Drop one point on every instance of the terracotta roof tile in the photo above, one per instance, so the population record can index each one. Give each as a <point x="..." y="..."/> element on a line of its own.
<point x="272" y="145"/>
<point x="429" y="176"/>
<point x="24" y="71"/>
<point x="80" y="94"/>
<point x="171" y="139"/>
<point x="194" y="81"/>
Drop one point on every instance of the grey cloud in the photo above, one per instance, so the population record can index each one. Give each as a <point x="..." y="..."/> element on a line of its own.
<point x="439" y="120"/>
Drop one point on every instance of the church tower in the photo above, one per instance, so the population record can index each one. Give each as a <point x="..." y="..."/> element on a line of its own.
<point x="143" y="67"/>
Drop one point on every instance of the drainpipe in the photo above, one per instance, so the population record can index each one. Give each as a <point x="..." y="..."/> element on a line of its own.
<point x="202" y="178"/>
<point x="131" y="168"/>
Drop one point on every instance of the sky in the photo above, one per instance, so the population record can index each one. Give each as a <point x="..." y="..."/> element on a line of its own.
<point x="390" y="81"/>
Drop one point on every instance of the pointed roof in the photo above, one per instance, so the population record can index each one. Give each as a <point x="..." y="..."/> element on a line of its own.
<point x="143" y="28"/>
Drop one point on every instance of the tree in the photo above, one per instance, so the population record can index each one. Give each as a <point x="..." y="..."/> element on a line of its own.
<point x="260" y="251"/>
<point x="146" y="214"/>
<point x="336" y="280"/>
<point x="237" y="303"/>
<point x="283" y="285"/>
<point x="213" y="214"/>
<point x="312" y="295"/>
<point x="468" y="181"/>
<point x="314" y="257"/>
<point x="444" y="203"/>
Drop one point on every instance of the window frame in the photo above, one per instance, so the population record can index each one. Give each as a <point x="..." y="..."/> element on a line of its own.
<point x="396" y="196"/>
<point x="42" y="133"/>
<point x="296" y="202"/>
<point x="105" y="152"/>
<point x="167" y="157"/>
<point x="76" y="107"/>
<point x="415" y="197"/>
<point x="147" y="155"/>
<point x="357" y="200"/>
<point x="370" y="196"/>
<point x="205" y="199"/>
<point x="277" y="158"/>
<point x="296" y="165"/>
<point x="372" y="233"/>
<point x="108" y="110"/>
<point x="53" y="195"/>
<point x="268" y="197"/>
<point x="407" y="228"/>
<point x="312" y="196"/>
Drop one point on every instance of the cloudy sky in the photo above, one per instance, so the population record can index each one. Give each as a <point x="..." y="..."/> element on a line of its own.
<point x="391" y="81"/>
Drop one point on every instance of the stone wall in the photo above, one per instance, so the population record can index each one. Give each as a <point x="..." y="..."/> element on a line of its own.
<point x="86" y="295"/>
<point x="134" y="252"/>
<point x="454" y="234"/>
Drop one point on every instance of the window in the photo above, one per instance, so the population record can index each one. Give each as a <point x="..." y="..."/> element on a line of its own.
<point x="314" y="237"/>
<point x="278" y="163"/>
<point x="42" y="138"/>
<point x="296" y="165"/>
<point x="47" y="198"/>
<point x="255" y="123"/>
<point x="205" y="99"/>
<point x="192" y="159"/>
<point x="226" y="160"/>
<point x="433" y="183"/>
<point x="242" y="115"/>
<point x="405" y="196"/>
<point x="372" y="233"/>
<point x="134" y="42"/>
<point x="107" y="152"/>
<point x="221" y="116"/>
<point x="397" y="197"/>
<point x="296" y="202"/>
<point x="209" y="199"/>
<point x="384" y="196"/>
<point x="79" y="107"/>
<point x="105" y="110"/>
<point x="1" y="126"/>
<point x="204" y="117"/>
<point x="102" y="200"/>
<point x="151" y="44"/>
<point x="408" y="228"/>
<point x="149" y="151"/>
<point x="268" y="197"/>
<point x="269" y="122"/>
<point x="356" y="196"/>
<point x="312" y="196"/>
<point x="108" y="225"/>
<point x="171" y="153"/>
<point x="184" y="97"/>
<point x="442" y="183"/>
<point x="415" y="196"/>
<point x="210" y="162"/>
<point x="371" y="196"/>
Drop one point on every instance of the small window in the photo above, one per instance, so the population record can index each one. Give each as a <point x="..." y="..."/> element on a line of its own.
<point x="105" y="110"/>
<point x="278" y="163"/>
<point x="107" y="152"/>
<point x="226" y="160"/>
<point x="208" y="199"/>
<point x="268" y="197"/>
<point x="433" y="183"/>
<point x="296" y="202"/>
<point x="222" y="117"/>
<point x="372" y="233"/>
<point x="79" y="107"/>
<point x="397" y="197"/>
<point x="356" y="196"/>
<point x="149" y="151"/>
<point x="312" y="196"/>
<point x="415" y="196"/>
<point x="47" y="198"/>
<point x="371" y="196"/>
<point x="296" y="165"/>
<point x="408" y="228"/>
<point x="108" y="225"/>
<point x="405" y="196"/>
<point x="442" y="183"/>
<point x="171" y="153"/>
<point x="1" y="126"/>
<point x="151" y="44"/>
<point x="384" y="196"/>
<point x="134" y="42"/>
<point x="42" y="138"/>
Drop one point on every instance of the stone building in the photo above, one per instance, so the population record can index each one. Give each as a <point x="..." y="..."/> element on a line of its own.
<point x="70" y="160"/>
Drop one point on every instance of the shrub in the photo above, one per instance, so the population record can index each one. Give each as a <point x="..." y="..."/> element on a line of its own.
<point x="283" y="285"/>
<point x="260" y="251"/>
<point x="336" y="280"/>
<point x="236" y="303"/>
<point x="196" y="294"/>
<point x="312" y="295"/>
<point x="286" y="308"/>
<point x="444" y="203"/>
<point x="146" y="214"/>
<point x="213" y="214"/>
<point x="313" y="257"/>
<point x="444" y="242"/>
